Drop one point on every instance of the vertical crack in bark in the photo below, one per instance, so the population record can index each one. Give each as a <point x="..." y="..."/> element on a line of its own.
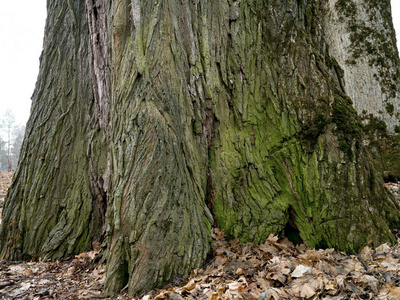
<point x="99" y="38"/>
<point x="98" y="14"/>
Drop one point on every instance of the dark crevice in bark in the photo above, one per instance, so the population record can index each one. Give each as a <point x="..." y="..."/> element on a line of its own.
<point x="99" y="163"/>
<point x="291" y="230"/>
<point x="99" y="202"/>
<point x="99" y="36"/>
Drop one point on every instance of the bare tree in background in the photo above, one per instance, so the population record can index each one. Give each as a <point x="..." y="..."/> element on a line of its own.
<point x="7" y="123"/>
<point x="16" y="144"/>
<point x="3" y="155"/>
<point x="10" y="141"/>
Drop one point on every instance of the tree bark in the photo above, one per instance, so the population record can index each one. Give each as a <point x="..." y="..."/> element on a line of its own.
<point x="56" y="204"/>
<point x="362" y="39"/>
<point x="154" y="120"/>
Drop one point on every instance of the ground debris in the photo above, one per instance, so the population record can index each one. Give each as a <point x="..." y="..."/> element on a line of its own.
<point x="68" y="279"/>
<point x="394" y="188"/>
<point x="277" y="269"/>
<point x="5" y="182"/>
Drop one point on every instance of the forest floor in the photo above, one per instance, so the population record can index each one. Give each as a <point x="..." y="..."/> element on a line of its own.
<point x="274" y="270"/>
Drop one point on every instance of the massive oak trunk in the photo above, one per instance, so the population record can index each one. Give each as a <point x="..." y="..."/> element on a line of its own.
<point x="154" y="120"/>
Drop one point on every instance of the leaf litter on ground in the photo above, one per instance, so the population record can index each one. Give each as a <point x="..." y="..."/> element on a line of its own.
<point x="276" y="269"/>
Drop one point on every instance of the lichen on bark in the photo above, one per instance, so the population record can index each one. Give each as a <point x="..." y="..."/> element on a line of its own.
<point x="159" y="119"/>
<point x="363" y="40"/>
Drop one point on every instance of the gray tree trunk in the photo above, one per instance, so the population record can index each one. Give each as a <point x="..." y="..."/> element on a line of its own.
<point x="153" y="120"/>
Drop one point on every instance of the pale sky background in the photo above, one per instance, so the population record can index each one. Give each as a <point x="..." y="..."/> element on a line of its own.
<point x="21" y="35"/>
<point x="21" y="40"/>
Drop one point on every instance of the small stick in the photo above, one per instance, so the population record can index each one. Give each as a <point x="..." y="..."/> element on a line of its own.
<point x="361" y="260"/>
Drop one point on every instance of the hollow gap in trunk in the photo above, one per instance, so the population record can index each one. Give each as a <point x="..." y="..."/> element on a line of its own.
<point x="291" y="231"/>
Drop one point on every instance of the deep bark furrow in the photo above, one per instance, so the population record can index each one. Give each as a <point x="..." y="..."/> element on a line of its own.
<point x="97" y="12"/>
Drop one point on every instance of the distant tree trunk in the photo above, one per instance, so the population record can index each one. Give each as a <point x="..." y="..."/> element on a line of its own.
<point x="8" y="149"/>
<point x="153" y="120"/>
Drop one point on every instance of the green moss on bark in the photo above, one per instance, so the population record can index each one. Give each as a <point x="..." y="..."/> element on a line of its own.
<point x="292" y="148"/>
<point x="376" y="43"/>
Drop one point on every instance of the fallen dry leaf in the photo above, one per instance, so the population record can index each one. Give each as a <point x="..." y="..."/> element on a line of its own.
<point x="301" y="270"/>
<point x="366" y="253"/>
<point x="302" y="290"/>
<point x="394" y="291"/>
<point x="383" y="249"/>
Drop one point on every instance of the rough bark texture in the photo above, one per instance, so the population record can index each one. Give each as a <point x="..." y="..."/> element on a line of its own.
<point x="288" y="144"/>
<point x="361" y="37"/>
<point x="56" y="204"/>
<point x="155" y="119"/>
<point x="157" y="215"/>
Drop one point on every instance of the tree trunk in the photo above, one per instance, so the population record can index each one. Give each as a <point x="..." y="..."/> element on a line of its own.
<point x="56" y="204"/>
<point x="154" y="120"/>
<point x="362" y="39"/>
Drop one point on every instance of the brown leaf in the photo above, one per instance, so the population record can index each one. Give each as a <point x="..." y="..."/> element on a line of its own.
<point x="235" y="242"/>
<point x="286" y="242"/>
<point x="318" y="283"/>
<point x="277" y="277"/>
<point x="312" y="255"/>
<point x="368" y="281"/>
<point x="190" y="285"/>
<point x="254" y="263"/>
<point x="251" y="286"/>
<point x="330" y="288"/>
<point x="160" y="296"/>
<point x="394" y="291"/>
<point x="240" y="271"/>
<point x="301" y="270"/>
<point x="366" y="253"/>
<point x="236" y="286"/>
<point x="303" y="290"/>
<point x="326" y="268"/>
<point x="220" y="260"/>
<point x="221" y="288"/>
<point x="218" y="235"/>
<point x="271" y="293"/>
<point x="264" y="283"/>
<point x="390" y="264"/>
<point x="272" y="238"/>
<point x="214" y="296"/>
<point x="268" y="248"/>
<point x="301" y="248"/>
<point x="383" y="249"/>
